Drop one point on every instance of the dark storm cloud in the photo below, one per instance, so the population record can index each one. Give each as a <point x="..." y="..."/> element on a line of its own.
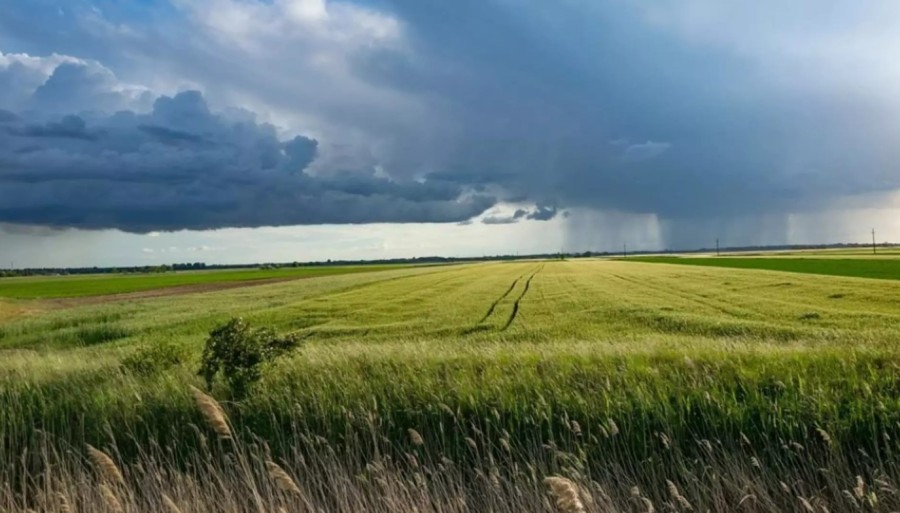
<point x="181" y="166"/>
<point x="69" y="127"/>
<point x="726" y="130"/>
<point x="540" y="213"/>
<point x="704" y="115"/>
<point x="499" y="220"/>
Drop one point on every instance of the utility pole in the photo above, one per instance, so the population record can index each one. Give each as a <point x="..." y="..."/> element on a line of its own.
<point x="624" y="250"/>
<point x="873" y="241"/>
<point x="717" y="246"/>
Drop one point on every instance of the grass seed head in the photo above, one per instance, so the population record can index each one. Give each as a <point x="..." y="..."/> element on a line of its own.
<point x="612" y="428"/>
<point x="676" y="495"/>
<point x="63" y="501"/>
<point x="112" y="502"/>
<point x="281" y="478"/>
<point x="105" y="466"/>
<point x="807" y="506"/>
<point x="860" y="489"/>
<point x="824" y="435"/>
<point x="213" y="413"/>
<point x="415" y="438"/>
<point x="566" y="493"/>
<point x="575" y="427"/>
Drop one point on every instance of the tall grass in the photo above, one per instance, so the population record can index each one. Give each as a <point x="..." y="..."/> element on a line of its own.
<point x="368" y="472"/>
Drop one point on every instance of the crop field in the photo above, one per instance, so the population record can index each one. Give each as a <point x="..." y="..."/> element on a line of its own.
<point x="884" y="267"/>
<point x="104" y="284"/>
<point x="638" y="386"/>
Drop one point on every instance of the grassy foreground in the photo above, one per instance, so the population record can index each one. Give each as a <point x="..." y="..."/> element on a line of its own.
<point x="724" y="382"/>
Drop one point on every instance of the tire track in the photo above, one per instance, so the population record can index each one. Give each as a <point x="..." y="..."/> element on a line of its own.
<point x="501" y="298"/>
<point x="515" y="310"/>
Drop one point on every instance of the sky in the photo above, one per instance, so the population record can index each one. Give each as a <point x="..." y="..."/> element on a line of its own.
<point x="230" y="131"/>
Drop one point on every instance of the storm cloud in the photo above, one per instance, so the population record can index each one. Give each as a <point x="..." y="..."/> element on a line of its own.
<point x="181" y="166"/>
<point x="697" y="117"/>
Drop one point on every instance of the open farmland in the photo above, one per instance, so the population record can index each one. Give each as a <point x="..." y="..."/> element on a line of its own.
<point x="42" y="287"/>
<point x="885" y="267"/>
<point x="725" y="382"/>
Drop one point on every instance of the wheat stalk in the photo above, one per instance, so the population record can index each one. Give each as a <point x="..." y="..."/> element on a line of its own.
<point x="213" y="413"/>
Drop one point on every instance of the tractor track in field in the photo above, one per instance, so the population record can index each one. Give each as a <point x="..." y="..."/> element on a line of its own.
<point x="515" y="311"/>
<point x="496" y="302"/>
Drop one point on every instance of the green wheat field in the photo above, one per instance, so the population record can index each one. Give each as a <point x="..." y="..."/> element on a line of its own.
<point x="732" y="384"/>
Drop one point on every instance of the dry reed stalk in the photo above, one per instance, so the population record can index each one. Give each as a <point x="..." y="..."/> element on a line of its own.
<point x="415" y="438"/>
<point x="807" y="505"/>
<point x="213" y="413"/>
<point x="112" y="502"/>
<point x="105" y="465"/>
<point x="575" y="427"/>
<point x="170" y="505"/>
<point x="860" y="489"/>
<point x="824" y="435"/>
<point x="612" y="428"/>
<point x="566" y="494"/>
<point x="281" y="478"/>
<point x="64" y="506"/>
<point x="676" y="495"/>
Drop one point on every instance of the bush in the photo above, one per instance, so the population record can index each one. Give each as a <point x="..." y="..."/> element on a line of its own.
<point x="239" y="353"/>
<point x="153" y="358"/>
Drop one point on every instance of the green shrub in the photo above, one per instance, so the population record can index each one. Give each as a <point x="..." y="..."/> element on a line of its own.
<point x="239" y="353"/>
<point x="153" y="358"/>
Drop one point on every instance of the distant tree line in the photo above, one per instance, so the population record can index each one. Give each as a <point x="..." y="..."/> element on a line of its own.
<point x="196" y="266"/>
<point x="63" y="271"/>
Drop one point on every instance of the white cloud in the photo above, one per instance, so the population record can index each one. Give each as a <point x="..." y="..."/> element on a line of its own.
<point x="645" y="151"/>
